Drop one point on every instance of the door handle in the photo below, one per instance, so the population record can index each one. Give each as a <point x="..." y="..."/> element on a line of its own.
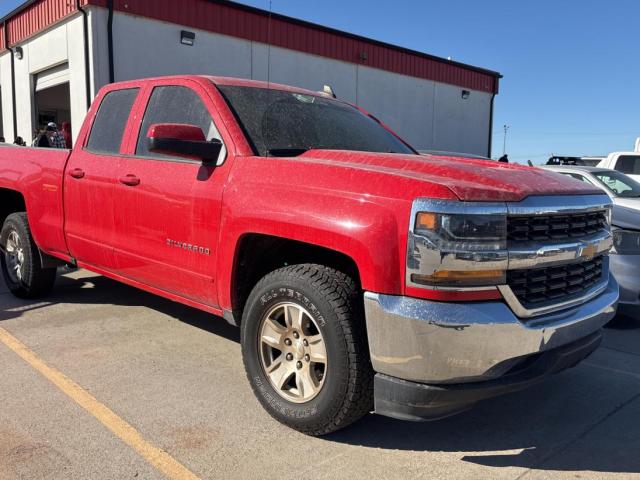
<point x="77" y="173"/>
<point x="130" y="180"/>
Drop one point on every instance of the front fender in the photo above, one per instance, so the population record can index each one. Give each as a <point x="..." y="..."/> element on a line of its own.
<point x="368" y="230"/>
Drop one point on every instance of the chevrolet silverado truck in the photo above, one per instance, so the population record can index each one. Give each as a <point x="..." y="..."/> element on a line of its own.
<point x="363" y="276"/>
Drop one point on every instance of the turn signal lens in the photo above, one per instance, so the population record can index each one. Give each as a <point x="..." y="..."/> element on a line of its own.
<point x="467" y="278"/>
<point x="426" y="221"/>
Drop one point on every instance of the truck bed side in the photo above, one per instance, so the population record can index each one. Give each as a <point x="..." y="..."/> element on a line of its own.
<point x="36" y="174"/>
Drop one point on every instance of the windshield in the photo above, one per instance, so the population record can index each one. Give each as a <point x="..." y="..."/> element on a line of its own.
<point x="619" y="184"/>
<point x="280" y="123"/>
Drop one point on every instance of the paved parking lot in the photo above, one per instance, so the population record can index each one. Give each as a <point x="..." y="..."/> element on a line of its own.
<point x="173" y="381"/>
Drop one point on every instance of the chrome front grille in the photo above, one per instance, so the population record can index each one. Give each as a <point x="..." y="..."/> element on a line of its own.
<point x="546" y="256"/>
<point x="539" y="286"/>
<point x="535" y="228"/>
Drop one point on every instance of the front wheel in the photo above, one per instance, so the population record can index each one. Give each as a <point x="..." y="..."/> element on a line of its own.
<point x="20" y="259"/>
<point x="305" y="349"/>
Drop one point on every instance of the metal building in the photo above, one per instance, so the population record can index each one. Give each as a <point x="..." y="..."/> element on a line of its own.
<point x="56" y="54"/>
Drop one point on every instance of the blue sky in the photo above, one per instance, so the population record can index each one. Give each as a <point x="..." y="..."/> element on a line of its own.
<point x="570" y="67"/>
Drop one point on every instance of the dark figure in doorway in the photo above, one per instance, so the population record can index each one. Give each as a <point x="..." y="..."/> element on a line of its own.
<point x="66" y="133"/>
<point x="504" y="158"/>
<point x="20" y="142"/>
<point x="2" y="140"/>
<point x="57" y="140"/>
<point x="45" y="138"/>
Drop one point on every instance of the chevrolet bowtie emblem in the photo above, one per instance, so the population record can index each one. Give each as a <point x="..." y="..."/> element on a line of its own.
<point x="588" y="252"/>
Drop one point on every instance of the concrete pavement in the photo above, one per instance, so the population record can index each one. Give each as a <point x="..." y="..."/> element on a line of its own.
<point x="175" y="375"/>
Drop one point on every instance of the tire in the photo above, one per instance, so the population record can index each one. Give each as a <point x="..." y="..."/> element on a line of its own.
<point x="29" y="280"/>
<point x="335" y="393"/>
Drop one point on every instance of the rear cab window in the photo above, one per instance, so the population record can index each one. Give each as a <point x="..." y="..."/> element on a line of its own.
<point x="629" y="164"/>
<point x="110" y="122"/>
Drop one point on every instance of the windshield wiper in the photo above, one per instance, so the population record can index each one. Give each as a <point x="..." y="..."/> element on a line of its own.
<point x="286" y="152"/>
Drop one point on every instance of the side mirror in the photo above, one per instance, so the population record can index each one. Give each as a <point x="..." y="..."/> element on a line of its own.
<point x="187" y="141"/>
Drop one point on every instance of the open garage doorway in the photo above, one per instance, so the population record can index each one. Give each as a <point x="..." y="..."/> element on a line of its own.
<point x="52" y="99"/>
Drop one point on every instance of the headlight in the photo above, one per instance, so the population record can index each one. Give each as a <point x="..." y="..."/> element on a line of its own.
<point x="460" y="232"/>
<point x="626" y="242"/>
<point x="458" y="245"/>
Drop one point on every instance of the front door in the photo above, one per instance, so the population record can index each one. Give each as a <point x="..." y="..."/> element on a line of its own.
<point x="167" y="208"/>
<point x="90" y="182"/>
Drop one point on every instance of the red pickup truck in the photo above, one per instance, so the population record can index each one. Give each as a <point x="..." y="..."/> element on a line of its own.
<point x="363" y="276"/>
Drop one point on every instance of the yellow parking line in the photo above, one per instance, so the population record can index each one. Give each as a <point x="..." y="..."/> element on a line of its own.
<point x="160" y="459"/>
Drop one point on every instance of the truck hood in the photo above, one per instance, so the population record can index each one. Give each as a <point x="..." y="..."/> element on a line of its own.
<point x="469" y="179"/>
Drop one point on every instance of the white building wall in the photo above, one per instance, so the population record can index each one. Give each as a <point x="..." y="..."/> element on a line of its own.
<point x="2" y="130"/>
<point x="149" y="48"/>
<point x="5" y="96"/>
<point x="98" y="49"/>
<point x="429" y="115"/>
<point x="77" y="78"/>
<point x="62" y="44"/>
<point x="404" y="103"/>
<point x="461" y="125"/>
<point x="303" y="70"/>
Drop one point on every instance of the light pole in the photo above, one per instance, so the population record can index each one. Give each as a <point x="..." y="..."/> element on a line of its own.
<point x="504" y="141"/>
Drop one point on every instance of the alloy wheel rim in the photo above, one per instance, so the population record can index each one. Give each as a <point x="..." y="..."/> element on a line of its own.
<point x="292" y="352"/>
<point x="14" y="257"/>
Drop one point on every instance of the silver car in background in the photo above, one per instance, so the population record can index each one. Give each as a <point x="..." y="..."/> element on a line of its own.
<point x="625" y="256"/>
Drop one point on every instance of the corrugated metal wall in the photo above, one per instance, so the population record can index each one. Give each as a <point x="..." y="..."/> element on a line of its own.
<point x="37" y="17"/>
<point x="226" y="19"/>
<point x="251" y="24"/>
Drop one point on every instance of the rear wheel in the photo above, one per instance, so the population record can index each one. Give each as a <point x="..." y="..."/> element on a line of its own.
<point x="305" y="349"/>
<point x="20" y="259"/>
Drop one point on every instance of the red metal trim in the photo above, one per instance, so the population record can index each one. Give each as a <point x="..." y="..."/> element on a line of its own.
<point x="252" y="24"/>
<point x="35" y="16"/>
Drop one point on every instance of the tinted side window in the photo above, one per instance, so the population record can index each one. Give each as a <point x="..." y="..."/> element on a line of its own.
<point x="174" y="104"/>
<point x="629" y="164"/>
<point x="111" y="120"/>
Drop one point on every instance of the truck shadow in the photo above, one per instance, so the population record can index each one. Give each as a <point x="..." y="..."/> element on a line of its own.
<point x="101" y="290"/>
<point x="582" y="420"/>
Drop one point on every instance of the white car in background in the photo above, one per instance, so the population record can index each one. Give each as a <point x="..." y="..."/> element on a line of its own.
<point x="623" y="162"/>
<point x="623" y="190"/>
<point x="625" y="225"/>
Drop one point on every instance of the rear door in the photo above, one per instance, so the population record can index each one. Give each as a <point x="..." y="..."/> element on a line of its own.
<point x="90" y="180"/>
<point x="168" y="208"/>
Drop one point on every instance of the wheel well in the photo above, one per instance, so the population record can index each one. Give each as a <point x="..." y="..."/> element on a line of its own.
<point x="259" y="254"/>
<point x="10" y="202"/>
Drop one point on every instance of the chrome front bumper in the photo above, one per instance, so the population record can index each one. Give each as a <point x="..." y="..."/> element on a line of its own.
<point x="439" y="343"/>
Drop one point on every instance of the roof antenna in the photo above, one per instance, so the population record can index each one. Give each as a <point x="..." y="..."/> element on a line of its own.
<point x="328" y="90"/>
